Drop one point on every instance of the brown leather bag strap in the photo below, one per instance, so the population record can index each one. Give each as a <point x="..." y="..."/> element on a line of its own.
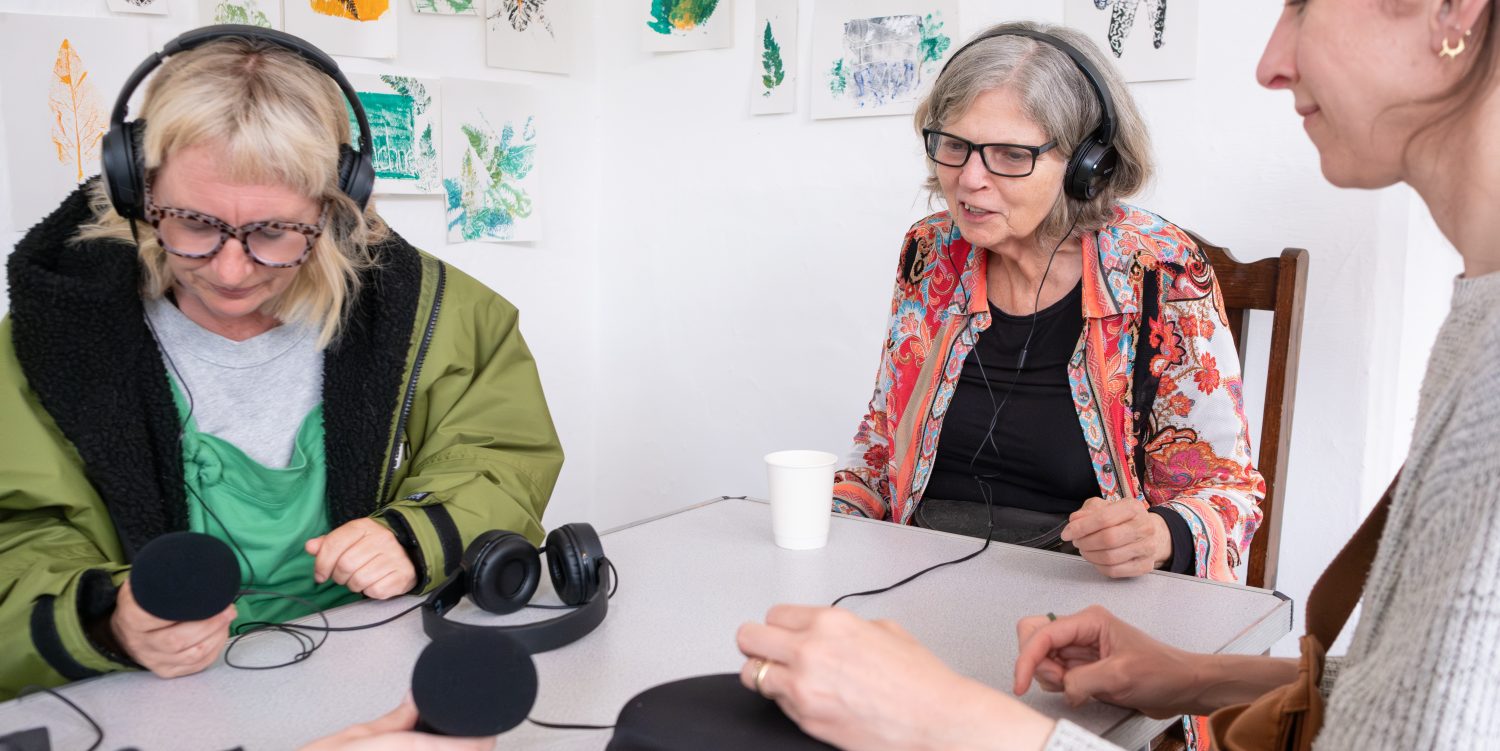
<point x="1342" y="584"/>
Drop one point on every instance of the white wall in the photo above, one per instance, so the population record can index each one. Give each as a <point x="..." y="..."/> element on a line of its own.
<point x="713" y="286"/>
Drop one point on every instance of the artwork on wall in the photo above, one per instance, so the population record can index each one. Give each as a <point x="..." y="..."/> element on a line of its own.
<point x="358" y="28"/>
<point x="263" y="13"/>
<point x="405" y="130"/>
<point x="61" y="78"/>
<point x="679" y="25"/>
<point x="773" y="87"/>
<point x="878" y="57"/>
<point x="447" y="7"/>
<point x="489" y="161"/>
<point x="1143" y="40"/>
<point x="530" y="34"/>
<point x="158" y="7"/>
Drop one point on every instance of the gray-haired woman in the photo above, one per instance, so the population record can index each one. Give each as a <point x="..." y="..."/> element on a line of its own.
<point x="1058" y="369"/>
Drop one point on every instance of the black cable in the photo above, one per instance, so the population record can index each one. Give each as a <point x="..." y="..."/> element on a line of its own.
<point x="564" y="726"/>
<point x="187" y="394"/>
<point x="984" y="487"/>
<point x="614" y="576"/>
<point x="98" y="731"/>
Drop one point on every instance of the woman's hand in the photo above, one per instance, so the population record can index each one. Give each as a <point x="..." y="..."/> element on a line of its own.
<point x="365" y="557"/>
<point x="1094" y="655"/>
<point x="859" y="684"/>
<point x="393" y="732"/>
<point x="167" y="648"/>
<point x="1122" y="539"/>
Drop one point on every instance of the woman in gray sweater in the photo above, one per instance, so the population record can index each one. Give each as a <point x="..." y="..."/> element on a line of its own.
<point x="1389" y="91"/>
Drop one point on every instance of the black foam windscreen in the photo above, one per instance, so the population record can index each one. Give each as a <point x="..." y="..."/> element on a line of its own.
<point x="185" y="576"/>
<point x="473" y="684"/>
<point x="709" y="711"/>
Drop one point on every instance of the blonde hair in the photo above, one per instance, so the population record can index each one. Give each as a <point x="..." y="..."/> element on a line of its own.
<point x="273" y="118"/>
<point x="1055" y="94"/>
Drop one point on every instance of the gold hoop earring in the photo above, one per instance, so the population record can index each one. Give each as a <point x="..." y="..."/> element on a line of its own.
<point x="1454" y="51"/>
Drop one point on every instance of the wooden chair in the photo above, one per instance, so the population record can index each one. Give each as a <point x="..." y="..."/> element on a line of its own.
<point x="1278" y="285"/>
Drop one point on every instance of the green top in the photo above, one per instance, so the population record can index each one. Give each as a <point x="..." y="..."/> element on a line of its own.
<point x="267" y="515"/>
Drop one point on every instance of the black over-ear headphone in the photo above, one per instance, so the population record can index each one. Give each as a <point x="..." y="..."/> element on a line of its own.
<point x="500" y="572"/>
<point x="125" y="164"/>
<point x="1094" y="159"/>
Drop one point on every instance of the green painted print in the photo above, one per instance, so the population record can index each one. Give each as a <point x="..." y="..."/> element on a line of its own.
<point x="488" y="199"/>
<point x="838" y="78"/>
<point x="392" y="130"/>
<point x="934" y="42"/>
<point x="244" y="12"/>
<point x="445" y="7"/>
<point x="770" y="62"/>
<point x="401" y="132"/>
<point x="678" y="16"/>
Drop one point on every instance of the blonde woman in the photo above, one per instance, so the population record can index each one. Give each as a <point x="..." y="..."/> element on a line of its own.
<point x="256" y="357"/>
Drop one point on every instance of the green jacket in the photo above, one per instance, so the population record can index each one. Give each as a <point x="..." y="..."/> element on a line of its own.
<point x="435" y="420"/>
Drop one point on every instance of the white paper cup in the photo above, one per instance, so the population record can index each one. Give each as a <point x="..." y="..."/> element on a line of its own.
<point x="801" y="497"/>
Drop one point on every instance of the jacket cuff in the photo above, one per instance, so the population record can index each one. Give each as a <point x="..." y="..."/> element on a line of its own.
<point x="435" y="546"/>
<point x="1183" y="556"/>
<point x="59" y="627"/>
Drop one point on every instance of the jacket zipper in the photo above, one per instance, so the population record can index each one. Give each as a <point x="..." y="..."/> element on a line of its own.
<point x="411" y="385"/>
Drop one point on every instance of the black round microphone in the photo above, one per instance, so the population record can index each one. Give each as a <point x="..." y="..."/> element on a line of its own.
<point x="185" y="576"/>
<point x="473" y="685"/>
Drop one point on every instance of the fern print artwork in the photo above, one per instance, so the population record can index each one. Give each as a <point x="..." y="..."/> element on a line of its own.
<point x="263" y="13"/>
<point x="489" y="162"/>
<point x="773" y="82"/>
<point x="447" y="7"/>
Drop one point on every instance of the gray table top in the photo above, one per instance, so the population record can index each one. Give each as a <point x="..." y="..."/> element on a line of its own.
<point x="687" y="580"/>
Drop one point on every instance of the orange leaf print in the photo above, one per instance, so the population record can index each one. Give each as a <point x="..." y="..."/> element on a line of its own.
<point x="354" y="10"/>
<point x="77" y="121"/>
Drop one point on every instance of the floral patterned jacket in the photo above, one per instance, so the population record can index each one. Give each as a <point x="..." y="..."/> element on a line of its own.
<point x="1164" y="423"/>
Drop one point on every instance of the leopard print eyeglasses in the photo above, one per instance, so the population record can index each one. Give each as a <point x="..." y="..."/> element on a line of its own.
<point x="193" y="234"/>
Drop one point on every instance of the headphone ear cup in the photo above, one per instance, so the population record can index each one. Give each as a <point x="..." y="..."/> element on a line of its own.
<point x="356" y="175"/>
<point x="574" y="554"/>
<point x="123" y="164"/>
<point x="503" y="570"/>
<point x="1089" y="168"/>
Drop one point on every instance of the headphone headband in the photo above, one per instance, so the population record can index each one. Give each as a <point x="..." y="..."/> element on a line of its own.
<point x="191" y="40"/>
<point x="537" y="637"/>
<point x="1105" y="133"/>
<point x="124" y="165"/>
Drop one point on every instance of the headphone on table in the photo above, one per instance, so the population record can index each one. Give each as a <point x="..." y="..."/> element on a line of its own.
<point x="500" y="572"/>
<point x="1095" y="157"/>
<point x="124" y="162"/>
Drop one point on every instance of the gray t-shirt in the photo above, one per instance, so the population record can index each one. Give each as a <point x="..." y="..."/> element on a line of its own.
<point x="253" y="394"/>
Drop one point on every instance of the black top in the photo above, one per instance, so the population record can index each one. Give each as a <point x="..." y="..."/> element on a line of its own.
<point x="1038" y="459"/>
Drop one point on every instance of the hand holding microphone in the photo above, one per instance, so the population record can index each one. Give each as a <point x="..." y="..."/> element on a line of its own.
<point x="172" y="615"/>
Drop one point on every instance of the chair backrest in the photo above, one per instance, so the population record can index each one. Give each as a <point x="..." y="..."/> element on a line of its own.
<point x="1278" y="285"/>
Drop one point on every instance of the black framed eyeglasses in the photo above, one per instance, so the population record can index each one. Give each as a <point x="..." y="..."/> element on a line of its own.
<point x="1003" y="159"/>
<point x="196" y="235"/>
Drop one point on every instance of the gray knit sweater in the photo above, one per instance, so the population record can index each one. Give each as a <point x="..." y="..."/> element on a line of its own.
<point x="1423" y="670"/>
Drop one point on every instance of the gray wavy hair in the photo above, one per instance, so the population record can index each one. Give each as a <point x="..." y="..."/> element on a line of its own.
<point x="1054" y="94"/>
